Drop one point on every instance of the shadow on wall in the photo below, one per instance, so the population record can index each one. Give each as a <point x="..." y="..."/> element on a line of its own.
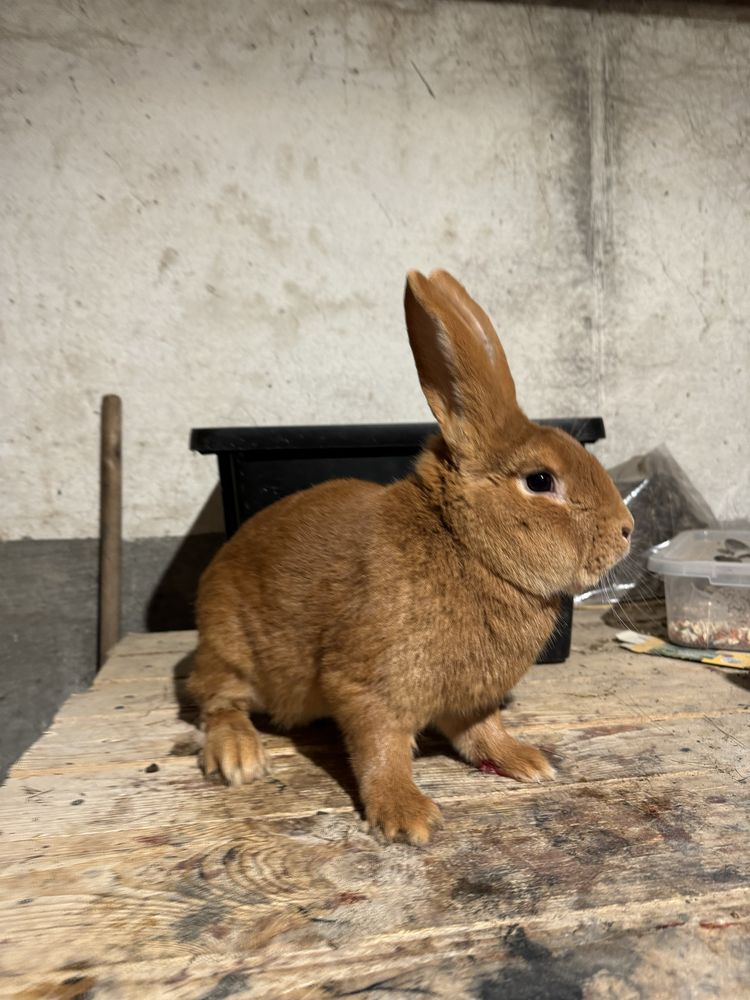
<point x="171" y="606"/>
<point x="163" y="574"/>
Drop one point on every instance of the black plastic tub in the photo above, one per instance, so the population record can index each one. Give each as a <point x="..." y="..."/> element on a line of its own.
<point x="259" y="465"/>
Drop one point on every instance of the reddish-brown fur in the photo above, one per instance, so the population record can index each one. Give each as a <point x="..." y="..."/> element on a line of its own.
<point x="394" y="608"/>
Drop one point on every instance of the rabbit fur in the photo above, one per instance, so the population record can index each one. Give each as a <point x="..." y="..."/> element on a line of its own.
<point x="413" y="605"/>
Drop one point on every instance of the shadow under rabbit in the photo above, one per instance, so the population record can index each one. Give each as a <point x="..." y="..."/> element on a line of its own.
<point x="320" y="742"/>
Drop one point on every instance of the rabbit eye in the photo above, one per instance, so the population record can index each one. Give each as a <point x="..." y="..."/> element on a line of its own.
<point x="541" y="482"/>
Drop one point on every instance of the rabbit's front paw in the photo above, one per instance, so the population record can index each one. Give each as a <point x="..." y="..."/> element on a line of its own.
<point x="233" y="748"/>
<point x="403" y="814"/>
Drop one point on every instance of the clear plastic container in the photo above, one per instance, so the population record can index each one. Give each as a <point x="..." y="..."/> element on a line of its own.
<point x="707" y="585"/>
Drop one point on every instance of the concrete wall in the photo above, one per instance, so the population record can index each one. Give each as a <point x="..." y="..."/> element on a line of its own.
<point x="209" y="209"/>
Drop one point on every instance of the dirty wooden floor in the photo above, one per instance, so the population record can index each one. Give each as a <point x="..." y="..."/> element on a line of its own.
<point x="124" y="874"/>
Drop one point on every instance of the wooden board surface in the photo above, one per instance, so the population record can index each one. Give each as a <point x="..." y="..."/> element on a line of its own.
<point x="126" y="875"/>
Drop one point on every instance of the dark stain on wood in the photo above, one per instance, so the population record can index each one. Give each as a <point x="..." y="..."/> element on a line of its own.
<point x="199" y="921"/>
<point x="592" y="792"/>
<point x="665" y="817"/>
<point x="602" y="843"/>
<point x="229" y="985"/>
<point x="535" y="972"/>
<point x="729" y="873"/>
<point x="185" y="746"/>
<point x="535" y="975"/>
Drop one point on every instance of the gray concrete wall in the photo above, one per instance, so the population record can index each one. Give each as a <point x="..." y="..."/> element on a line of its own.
<point x="209" y="209"/>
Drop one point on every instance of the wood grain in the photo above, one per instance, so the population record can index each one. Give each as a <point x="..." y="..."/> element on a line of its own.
<point x="627" y="876"/>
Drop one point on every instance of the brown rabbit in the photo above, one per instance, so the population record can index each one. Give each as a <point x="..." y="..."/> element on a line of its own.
<point x="394" y="608"/>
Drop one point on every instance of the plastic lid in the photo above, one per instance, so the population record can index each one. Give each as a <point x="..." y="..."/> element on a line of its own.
<point x="721" y="556"/>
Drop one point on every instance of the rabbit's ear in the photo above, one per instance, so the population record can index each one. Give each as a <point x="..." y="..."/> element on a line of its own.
<point x="460" y="361"/>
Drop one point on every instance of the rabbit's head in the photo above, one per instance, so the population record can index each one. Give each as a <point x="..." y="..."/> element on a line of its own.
<point x="528" y="501"/>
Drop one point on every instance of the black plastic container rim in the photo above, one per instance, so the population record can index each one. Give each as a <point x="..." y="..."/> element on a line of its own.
<point x="345" y="437"/>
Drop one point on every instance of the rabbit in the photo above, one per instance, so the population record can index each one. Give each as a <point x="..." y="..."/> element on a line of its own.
<point x="412" y="605"/>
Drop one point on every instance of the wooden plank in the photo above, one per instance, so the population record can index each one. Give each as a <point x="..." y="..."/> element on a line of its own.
<point x="144" y="670"/>
<point x="149" y="643"/>
<point x="307" y="778"/>
<point x="609" y="957"/>
<point x="628" y="872"/>
<point x="40" y="809"/>
<point x="597" y="752"/>
<point x="668" y="810"/>
<point x="319" y="891"/>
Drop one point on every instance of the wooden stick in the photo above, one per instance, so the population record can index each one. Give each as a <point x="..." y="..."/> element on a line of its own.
<point x="110" y="549"/>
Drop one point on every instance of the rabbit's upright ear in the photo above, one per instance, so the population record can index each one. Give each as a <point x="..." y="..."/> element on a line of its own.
<point x="461" y="363"/>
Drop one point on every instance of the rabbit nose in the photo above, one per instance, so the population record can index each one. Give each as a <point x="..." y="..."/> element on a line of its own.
<point x="626" y="531"/>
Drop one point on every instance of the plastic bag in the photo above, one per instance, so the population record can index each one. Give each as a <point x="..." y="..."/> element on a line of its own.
<point x="663" y="502"/>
